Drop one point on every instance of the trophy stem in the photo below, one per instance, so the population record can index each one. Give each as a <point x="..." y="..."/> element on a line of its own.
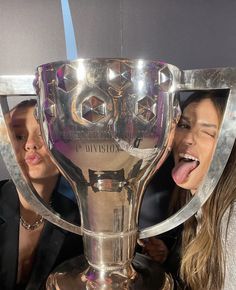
<point x="142" y="274"/>
<point x="109" y="251"/>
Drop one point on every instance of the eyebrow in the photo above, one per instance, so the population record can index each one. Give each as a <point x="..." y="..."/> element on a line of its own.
<point x="204" y="124"/>
<point x="209" y="125"/>
<point x="18" y="124"/>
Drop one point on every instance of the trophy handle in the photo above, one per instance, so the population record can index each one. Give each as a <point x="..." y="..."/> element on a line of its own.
<point x="224" y="78"/>
<point x="21" y="181"/>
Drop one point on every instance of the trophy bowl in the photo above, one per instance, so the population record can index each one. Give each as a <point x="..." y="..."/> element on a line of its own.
<point x="109" y="125"/>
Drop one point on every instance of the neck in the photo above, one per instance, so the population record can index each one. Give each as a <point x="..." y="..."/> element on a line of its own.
<point x="44" y="188"/>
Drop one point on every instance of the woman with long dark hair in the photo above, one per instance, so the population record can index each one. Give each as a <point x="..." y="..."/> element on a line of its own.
<point x="206" y="243"/>
<point x="208" y="253"/>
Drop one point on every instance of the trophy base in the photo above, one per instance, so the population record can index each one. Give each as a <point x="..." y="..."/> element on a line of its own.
<point x="71" y="276"/>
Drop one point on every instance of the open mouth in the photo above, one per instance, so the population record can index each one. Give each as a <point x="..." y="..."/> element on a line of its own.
<point x="188" y="158"/>
<point x="186" y="164"/>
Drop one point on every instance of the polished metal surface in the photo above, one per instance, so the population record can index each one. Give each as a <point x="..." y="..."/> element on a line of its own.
<point x="16" y="85"/>
<point x="150" y="275"/>
<point x="109" y="124"/>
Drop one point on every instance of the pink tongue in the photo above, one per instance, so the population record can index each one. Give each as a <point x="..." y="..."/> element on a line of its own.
<point x="182" y="170"/>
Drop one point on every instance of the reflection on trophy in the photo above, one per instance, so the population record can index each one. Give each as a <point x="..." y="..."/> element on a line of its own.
<point x="108" y="124"/>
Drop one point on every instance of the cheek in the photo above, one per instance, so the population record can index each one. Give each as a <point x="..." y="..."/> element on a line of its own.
<point x="178" y="137"/>
<point x="19" y="151"/>
<point x="175" y="145"/>
<point x="207" y="153"/>
<point x="207" y="162"/>
<point x="18" y="145"/>
<point x="49" y="163"/>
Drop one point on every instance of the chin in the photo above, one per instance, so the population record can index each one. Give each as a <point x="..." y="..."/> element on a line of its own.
<point x="36" y="175"/>
<point x="188" y="185"/>
<point x="184" y="186"/>
<point x="191" y="187"/>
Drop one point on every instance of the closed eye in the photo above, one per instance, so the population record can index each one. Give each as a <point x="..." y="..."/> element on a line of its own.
<point x="211" y="134"/>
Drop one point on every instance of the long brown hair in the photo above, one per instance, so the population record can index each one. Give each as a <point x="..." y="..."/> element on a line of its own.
<point x="203" y="262"/>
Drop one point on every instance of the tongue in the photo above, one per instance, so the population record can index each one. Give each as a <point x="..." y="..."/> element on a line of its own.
<point x="182" y="170"/>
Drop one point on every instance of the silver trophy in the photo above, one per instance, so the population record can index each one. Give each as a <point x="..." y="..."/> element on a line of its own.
<point x="109" y="125"/>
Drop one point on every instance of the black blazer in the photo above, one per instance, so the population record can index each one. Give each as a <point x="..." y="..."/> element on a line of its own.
<point x="55" y="245"/>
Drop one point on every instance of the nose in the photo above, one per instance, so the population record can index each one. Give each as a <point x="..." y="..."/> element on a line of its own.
<point x="33" y="143"/>
<point x="189" y="138"/>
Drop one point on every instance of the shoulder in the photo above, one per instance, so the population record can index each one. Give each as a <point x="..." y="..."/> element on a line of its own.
<point x="6" y="185"/>
<point x="228" y="229"/>
<point x="9" y="202"/>
<point x="2" y="182"/>
<point x="229" y="218"/>
<point x="228" y="245"/>
<point x="8" y="197"/>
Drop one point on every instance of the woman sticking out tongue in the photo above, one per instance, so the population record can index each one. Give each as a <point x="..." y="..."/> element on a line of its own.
<point x="194" y="143"/>
<point x="182" y="170"/>
<point x="205" y="253"/>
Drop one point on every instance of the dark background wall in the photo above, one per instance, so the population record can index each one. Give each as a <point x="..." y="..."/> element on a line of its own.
<point x="187" y="33"/>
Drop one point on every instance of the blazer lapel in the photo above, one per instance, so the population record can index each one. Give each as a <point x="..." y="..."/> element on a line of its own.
<point x="9" y="232"/>
<point x="49" y="247"/>
<point x="50" y="243"/>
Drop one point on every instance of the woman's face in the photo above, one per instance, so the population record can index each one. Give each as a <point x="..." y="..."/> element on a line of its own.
<point x="31" y="152"/>
<point x="194" y="143"/>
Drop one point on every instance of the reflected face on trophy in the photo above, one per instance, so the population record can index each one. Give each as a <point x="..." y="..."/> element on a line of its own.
<point x="194" y="143"/>
<point x="31" y="151"/>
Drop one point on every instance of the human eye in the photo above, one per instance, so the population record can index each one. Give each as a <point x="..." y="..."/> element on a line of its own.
<point x="20" y="137"/>
<point x="209" y="133"/>
<point x="183" y="124"/>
